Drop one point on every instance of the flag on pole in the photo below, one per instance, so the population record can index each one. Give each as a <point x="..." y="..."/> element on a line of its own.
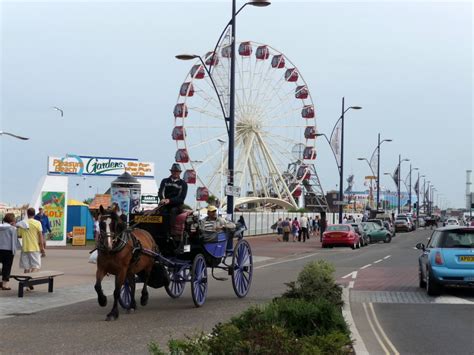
<point x="417" y="186"/>
<point x="335" y="141"/>
<point x="395" y="175"/>
<point x="374" y="161"/>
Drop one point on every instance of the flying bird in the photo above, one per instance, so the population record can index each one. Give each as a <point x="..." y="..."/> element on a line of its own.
<point x="13" y="135"/>
<point x="58" y="109"/>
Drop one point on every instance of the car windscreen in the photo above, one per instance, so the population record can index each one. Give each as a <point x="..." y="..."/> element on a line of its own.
<point x="458" y="238"/>
<point x="338" y="228"/>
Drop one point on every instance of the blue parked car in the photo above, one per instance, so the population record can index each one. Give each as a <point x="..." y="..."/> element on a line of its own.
<point x="447" y="260"/>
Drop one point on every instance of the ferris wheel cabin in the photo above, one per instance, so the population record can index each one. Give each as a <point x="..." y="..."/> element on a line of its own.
<point x="301" y="92"/>
<point x="202" y="194"/>
<point x="178" y="133"/>
<point x="197" y="71"/>
<point x="291" y="75"/>
<point x="262" y="53"/>
<point x="187" y="89"/>
<point x="303" y="173"/>
<point x="307" y="111"/>
<point x="180" y="110"/>
<point x="211" y="58"/>
<point x="297" y="191"/>
<point x="278" y="61"/>
<point x="245" y="49"/>
<point x="190" y="176"/>
<point x="309" y="153"/>
<point x="226" y="52"/>
<point x="310" y="132"/>
<point x="181" y="156"/>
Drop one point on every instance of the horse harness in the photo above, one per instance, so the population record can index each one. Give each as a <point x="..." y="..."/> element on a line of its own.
<point x="121" y="241"/>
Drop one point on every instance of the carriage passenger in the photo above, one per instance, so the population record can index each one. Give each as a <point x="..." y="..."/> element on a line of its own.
<point x="213" y="225"/>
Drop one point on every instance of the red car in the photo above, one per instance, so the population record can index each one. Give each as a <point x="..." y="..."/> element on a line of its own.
<point x="341" y="235"/>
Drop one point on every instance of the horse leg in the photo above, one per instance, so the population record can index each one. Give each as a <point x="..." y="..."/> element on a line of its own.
<point x="131" y="281"/>
<point x="119" y="281"/>
<point x="101" y="298"/>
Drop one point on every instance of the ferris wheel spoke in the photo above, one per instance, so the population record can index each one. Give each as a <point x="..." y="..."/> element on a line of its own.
<point x="243" y="159"/>
<point x="273" y="166"/>
<point x="282" y="150"/>
<point x="275" y="115"/>
<point x="209" y="114"/>
<point x="212" y="139"/>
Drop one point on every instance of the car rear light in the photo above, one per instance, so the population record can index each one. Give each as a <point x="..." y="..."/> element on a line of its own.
<point x="438" y="258"/>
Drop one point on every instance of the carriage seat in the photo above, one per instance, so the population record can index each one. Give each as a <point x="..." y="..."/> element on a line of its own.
<point x="178" y="228"/>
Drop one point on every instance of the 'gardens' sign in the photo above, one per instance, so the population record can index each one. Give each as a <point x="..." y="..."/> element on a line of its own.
<point x="102" y="166"/>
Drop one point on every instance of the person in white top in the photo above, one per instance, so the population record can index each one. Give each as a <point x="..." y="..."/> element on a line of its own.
<point x="304" y="228"/>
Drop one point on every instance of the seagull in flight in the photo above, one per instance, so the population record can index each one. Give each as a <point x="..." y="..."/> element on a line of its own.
<point x="58" y="109"/>
<point x="13" y="135"/>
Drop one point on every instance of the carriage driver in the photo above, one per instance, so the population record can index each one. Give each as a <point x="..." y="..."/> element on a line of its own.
<point x="172" y="193"/>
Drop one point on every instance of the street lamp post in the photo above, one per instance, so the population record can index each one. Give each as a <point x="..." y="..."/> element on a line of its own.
<point x="341" y="163"/>
<point x="230" y="120"/>
<point x="409" y="192"/>
<point x="399" y="180"/>
<point x="222" y="142"/>
<point x="377" y="150"/>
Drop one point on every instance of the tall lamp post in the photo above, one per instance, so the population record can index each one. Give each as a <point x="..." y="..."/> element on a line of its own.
<point x="373" y="174"/>
<point x="418" y="196"/>
<point x="230" y="120"/>
<point x="377" y="150"/>
<point x="409" y="188"/>
<point x="400" y="161"/>
<point x="341" y="163"/>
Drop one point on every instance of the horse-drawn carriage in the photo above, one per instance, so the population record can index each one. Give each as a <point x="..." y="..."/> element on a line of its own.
<point x="178" y="254"/>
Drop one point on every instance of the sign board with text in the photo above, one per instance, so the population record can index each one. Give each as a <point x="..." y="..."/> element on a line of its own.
<point x="78" y="236"/>
<point x="232" y="191"/>
<point x="99" y="166"/>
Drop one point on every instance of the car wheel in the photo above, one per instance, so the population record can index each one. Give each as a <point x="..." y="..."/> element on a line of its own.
<point x="388" y="238"/>
<point x="432" y="287"/>
<point x="353" y="246"/>
<point x="421" y="282"/>
<point x="370" y="240"/>
<point x="358" y="244"/>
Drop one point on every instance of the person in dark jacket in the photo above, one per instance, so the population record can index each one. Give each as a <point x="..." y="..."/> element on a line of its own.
<point x="172" y="193"/>
<point x="44" y="220"/>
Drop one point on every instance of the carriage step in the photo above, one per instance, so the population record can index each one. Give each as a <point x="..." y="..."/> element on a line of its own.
<point x="218" y="278"/>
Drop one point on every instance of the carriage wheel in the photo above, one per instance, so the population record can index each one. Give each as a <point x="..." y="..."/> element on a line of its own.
<point x="125" y="298"/>
<point x="177" y="282"/>
<point x="242" y="265"/>
<point x="199" y="280"/>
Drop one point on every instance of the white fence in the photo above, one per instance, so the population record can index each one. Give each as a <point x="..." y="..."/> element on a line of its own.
<point x="261" y="222"/>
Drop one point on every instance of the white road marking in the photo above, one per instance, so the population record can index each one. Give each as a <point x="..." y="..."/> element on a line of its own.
<point x="351" y="284"/>
<point x="358" y="344"/>
<point x="390" y="344"/>
<point x="377" y="336"/>
<point x="353" y="274"/>
<point x="285" y="261"/>
<point x="365" y="266"/>
<point x="377" y="261"/>
<point x="451" y="300"/>
<point x="386" y="257"/>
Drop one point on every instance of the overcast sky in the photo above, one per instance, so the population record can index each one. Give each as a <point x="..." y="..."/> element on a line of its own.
<point x="111" y="67"/>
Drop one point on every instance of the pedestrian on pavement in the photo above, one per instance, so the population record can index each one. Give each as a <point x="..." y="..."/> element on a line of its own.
<point x="286" y="229"/>
<point x="304" y="228"/>
<point x="96" y="228"/>
<point x="295" y="228"/>
<point x="9" y="244"/>
<point x="32" y="245"/>
<point x="44" y="220"/>
<point x="279" y="227"/>
<point x="242" y="223"/>
<point x="322" y="225"/>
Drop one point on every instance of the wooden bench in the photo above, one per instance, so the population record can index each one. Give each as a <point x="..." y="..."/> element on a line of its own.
<point x="35" y="278"/>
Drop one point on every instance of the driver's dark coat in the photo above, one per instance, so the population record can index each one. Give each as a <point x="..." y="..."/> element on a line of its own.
<point x="175" y="191"/>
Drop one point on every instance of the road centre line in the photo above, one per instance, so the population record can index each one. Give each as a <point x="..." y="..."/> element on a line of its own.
<point x="365" y="266"/>
<point x="377" y="261"/>
<point x="285" y="261"/>
<point x="353" y="274"/>
<point x="377" y="336"/>
<point x="390" y="344"/>
<point x="351" y="284"/>
<point x="386" y="257"/>
<point x="359" y="346"/>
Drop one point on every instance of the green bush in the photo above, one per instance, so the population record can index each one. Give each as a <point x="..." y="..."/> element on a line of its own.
<point x="316" y="281"/>
<point x="306" y="320"/>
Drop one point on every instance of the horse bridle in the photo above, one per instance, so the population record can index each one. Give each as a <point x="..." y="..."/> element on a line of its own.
<point x="122" y="237"/>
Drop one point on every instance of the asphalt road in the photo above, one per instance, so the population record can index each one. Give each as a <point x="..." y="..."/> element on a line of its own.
<point x="386" y="305"/>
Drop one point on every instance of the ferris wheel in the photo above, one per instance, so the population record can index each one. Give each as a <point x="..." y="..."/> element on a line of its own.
<point x="275" y="126"/>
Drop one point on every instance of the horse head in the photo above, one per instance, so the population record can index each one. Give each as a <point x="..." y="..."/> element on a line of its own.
<point x="111" y="225"/>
